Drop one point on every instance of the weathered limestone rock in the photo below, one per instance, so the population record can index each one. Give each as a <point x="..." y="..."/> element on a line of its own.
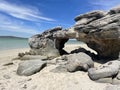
<point x="80" y="61"/>
<point x="45" y="44"/>
<point x="102" y="33"/>
<point x="30" y="67"/>
<point x="33" y="57"/>
<point x="115" y="10"/>
<point x="59" y="69"/>
<point x="105" y="80"/>
<point x="99" y="30"/>
<point x="88" y="17"/>
<point x="110" y="69"/>
<point x="72" y="62"/>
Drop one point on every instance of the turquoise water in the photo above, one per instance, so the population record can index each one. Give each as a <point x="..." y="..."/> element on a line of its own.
<point x="73" y="41"/>
<point x="14" y="43"/>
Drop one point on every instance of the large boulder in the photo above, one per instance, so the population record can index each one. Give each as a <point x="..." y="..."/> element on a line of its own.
<point x="109" y="69"/>
<point x="88" y="17"/>
<point x="30" y="67"/>
<point x="79" y="61"/>
<point x="72" y="62"/>
<point x="45" y="44"/>
<point x="99" y="30"/>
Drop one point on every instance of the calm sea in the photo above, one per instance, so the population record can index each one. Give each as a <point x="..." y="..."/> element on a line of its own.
<point x="14" y="43"/>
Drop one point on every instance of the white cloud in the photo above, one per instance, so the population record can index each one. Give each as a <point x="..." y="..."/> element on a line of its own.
<point x="104" y="4"/>
<point x="21" y="12"/>
<point x="17" y="28"/>
<point x="9" y="24"/>
<point x="12" y="18"/>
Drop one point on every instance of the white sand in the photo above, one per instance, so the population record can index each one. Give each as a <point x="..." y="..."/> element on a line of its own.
<point x="43" y="80"/>
<point x="70" y="47"/>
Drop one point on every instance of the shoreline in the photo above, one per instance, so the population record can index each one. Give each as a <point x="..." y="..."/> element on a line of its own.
<point x="68" y="47"/>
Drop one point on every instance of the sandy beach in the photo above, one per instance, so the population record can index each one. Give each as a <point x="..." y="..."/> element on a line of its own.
<point x="43" y="80"/>
<point x="43" y="45"/>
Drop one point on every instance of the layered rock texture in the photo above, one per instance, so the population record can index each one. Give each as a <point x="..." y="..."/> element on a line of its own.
<point x="98" y="29"/>
<point x="101" y="32"/>
<point x="45" y="44"/>
<point x="106" y="73"/>
<point x="82" y="62"/>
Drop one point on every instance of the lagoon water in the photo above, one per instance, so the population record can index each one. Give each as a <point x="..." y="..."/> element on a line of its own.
<point x="14" y="43"/>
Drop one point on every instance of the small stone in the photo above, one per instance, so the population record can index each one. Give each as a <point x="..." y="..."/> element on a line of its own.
<point x="29" y="79"/>
<point x="6" y="76"/>
<point x="25" y="86"/>
<point x="9" y="63"/>
<point x="21" y="54"/>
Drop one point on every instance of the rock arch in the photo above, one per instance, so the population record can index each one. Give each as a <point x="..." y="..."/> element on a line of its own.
<point x="98" y="29"/>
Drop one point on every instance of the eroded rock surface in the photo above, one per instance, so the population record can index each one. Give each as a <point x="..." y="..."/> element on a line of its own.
<point x="99" y="30"/>
<point x="30" y="67"/>
<point x="45" y="44"/>
<point x="80" y="61"/>
<point x="102" y="34"/>
<point x="108" y="72"/>
<point x="74" y="62"/>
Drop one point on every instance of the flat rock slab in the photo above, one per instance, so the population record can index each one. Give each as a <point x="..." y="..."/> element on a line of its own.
<point x="30" y="67"/>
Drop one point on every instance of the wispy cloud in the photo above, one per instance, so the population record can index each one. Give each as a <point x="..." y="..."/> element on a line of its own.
<point x="21" y="12"/>
<point x="20" y="19"/>
<point x="9" y="24"/>
<point x="104" y="4"/>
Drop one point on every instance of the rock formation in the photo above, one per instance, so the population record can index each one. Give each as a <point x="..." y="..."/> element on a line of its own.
<point x="80" y="61"/>
<point x="73" y="62"/>
<point x="28" y="68"/>
<point x="45" y="44"/>
<point x="108" y="72"/>
<point x="98" y="29"/>
<point x="102" y="34"/>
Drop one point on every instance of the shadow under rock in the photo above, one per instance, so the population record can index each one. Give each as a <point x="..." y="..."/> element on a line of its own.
<point x="93" y="56"/>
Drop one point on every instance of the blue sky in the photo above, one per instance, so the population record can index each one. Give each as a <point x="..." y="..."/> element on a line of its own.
<point x="25" y="18"/>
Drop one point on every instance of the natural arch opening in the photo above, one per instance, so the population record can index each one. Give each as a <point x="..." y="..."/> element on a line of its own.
<point x="74" y="46"/>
